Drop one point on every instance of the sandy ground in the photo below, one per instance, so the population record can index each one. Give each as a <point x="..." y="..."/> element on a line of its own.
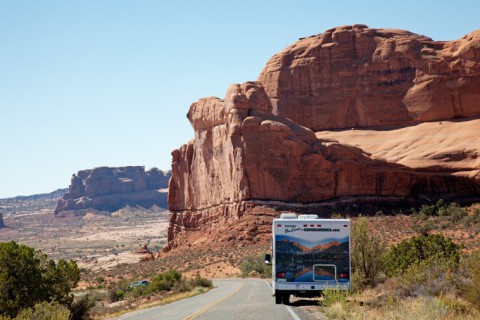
<point x="95" y="240"/>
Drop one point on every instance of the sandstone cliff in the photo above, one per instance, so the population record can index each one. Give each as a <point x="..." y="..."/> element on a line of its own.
<point x="355" y="76"/>
<point x="109" y="189"/>
<point x="267" y="140"/>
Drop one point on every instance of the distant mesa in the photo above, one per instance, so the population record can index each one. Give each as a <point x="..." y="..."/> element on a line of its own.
<point x="109" y="189"/>
<point x="287" y="139"/>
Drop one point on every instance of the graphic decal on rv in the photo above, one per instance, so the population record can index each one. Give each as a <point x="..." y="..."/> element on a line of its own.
<point x="307" y="261"/>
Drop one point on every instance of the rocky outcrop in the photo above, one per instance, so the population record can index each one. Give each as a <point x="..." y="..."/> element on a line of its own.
<point x="266" y="141"/>
<point x="355" y="76"/>
<point x="110" y="189"/>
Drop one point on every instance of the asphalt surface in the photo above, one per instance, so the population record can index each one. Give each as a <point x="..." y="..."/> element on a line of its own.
<point x="235" y="299"/>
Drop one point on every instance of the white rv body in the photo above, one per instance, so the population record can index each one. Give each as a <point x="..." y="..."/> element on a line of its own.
<point x="309" y="255"/>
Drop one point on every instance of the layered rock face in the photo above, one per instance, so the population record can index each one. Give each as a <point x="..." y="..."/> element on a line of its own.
<point x="109" y="189"/>
<point x="267" y="143"/>
<point x="355" y="76"/>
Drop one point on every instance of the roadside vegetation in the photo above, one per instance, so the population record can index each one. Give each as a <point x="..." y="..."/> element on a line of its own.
<point x="427" y="276"/>
<point x="255" y="266"/>
<point x="115" y="298"/>
<point x="35" y="287"/>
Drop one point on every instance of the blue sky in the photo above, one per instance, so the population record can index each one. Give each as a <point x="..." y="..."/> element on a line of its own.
<point x="108" y="83"/>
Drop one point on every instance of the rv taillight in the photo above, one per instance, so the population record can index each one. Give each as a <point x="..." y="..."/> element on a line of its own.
<point x="305" y="225"/>
<point x="319" y="225"/>
<point x="343" y="275"/>
<point x="345" y="225"/>
<point x="281" y="275"/>
<point x="279" y="225"/>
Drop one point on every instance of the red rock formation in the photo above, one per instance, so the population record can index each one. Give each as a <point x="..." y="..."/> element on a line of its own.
<point x="109" y="189"/>
<point x="355" y="76"/>
<point x="257" y="145"/>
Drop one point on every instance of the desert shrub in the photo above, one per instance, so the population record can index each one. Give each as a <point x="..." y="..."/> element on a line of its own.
<point x="330" y="296"/>
<point x="45" y="310"/>
<point x="81" y="307"/>
<point x="434" y="276"/>
<point x="164" y="281"/>
<point x="334" y="303"/>
<point x="475" y="216"/>
<point x="141" y="291"/>
<point x="420" y="248"/>
<point x="442" y="209"/>
<point x="115" y="294"/>
<point x="470" y="288"/>
<point x="455" y="212"/>
<point x="117" y="291"/>
<point x="368" y="256"/>
<point x="255" y="266"/>
<point x="198" y="281"/>
<point x="428" y="210"/>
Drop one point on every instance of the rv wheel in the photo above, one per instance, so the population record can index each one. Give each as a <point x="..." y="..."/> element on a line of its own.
<point x="278" y="298"/>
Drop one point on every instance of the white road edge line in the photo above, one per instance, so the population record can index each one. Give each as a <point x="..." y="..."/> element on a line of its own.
<point x="289" y="309"/>
<point x="268" y="284"/>
<point x="294" y="315"/>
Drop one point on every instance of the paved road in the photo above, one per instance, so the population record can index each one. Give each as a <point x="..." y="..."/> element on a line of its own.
<point x="235" y="299"/>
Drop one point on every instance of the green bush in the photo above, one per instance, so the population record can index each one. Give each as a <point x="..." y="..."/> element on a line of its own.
<point x="421" y="248"/>
<point x="27" y="277"/>
<point x="141" y="291"/>
<point x="201" y="282"/>
<point x="476" y="215"/>
<point x="442" y="209"/>
<point x="117" y="291"/>
<point x="334" y="303"/>
<point x="455" y="212"/>
<point x="368" y="256"/>
<point x="164" y="281"/>
<point x="45" y="310"/>
<point x="436" y="276"/>
<point x="255" y="266"/>
<point x="428" y="210"/>
<point x="333" y="296"/>
<point x="80" y="308"/>
<point x="470" y="288"/>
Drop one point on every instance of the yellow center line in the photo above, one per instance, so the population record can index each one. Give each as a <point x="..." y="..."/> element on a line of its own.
<point x="213" y="304"/>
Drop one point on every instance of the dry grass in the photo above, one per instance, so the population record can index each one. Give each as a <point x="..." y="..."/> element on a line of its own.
<point x="421" y="308"/>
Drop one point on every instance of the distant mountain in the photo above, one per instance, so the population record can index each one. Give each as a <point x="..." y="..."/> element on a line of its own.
<point x="54" y="195"/>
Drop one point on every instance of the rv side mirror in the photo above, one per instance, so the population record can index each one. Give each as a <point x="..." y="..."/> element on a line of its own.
<point x="268" y="259"/>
